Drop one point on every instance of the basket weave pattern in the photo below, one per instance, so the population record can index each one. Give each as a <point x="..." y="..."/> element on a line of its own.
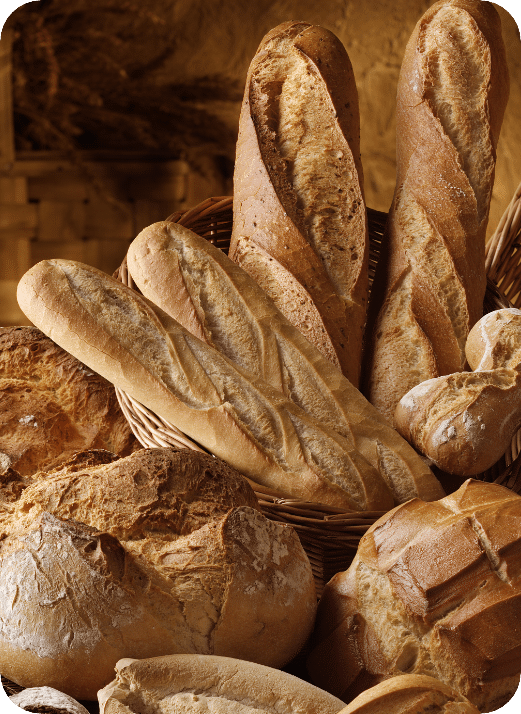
<point x="330" y="535"/>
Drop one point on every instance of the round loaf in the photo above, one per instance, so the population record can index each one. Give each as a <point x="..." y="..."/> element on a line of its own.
<point x="495" y="341"/>
<point x="410" y="693"/>
<point x="434" y="589"/>
<point x="52" y="405"/>
<point x="192" y="683"/>
<point x="160" y="552"/>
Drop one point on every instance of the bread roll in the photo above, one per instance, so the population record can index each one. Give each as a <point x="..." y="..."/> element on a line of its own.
<point x="464" y="422"/>
<point x="434" y="589"/>
<point x="430" y="283"/>
<point x="160" y="552"/>
<point x="234" y="415"/>
<point x="410" y="694"/>
<point x="48" y="700"/>
<point x="200" y="287"/>
<point x="300" y="223"/>
<point x="495" y="341"/>
<point x="193" y="683"/>
<point x="52" y="405"/>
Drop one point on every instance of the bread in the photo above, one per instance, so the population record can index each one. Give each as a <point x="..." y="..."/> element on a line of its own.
<point x="495" y="341"/>
<point x="434" y="589"/>
<point x="299" y="216"/>
<point x="52" y="405"/>
<point x="410" y="694"/>
<point x="234" y="415"/>
<point x="161" y="552"/>
<point x="430" y="283"/>
<point x="464" y="422"/>
<point x="48" y="700"/>
<point x="216" y="300"/>
<point x="192" y="683"/>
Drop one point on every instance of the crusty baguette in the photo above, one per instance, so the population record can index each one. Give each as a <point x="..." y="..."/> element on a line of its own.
<point x="300" y="223"/>
<point x="188" y="683"/>
<point x="465" y="421"/>
<point x="431" y="281"/>
<point x="434" y="589"/>
<point x="215" y="299"/>
<point x="234" y="415"/>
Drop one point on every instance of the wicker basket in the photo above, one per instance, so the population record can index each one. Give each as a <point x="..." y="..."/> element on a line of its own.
<point x="330" y="535"/>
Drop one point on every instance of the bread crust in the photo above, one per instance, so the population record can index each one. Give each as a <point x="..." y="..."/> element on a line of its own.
<point x="434" y="589"/>
<point x="300" y="224"/>
<point x="160" y="552"/>
<point x="410" y="693"/>
<point x="234" y="415"/>
<point x="226" y="683"/>
<point x="216" y="300"/>
<point x="52" y="405"/>
<point x="429" y="288"/>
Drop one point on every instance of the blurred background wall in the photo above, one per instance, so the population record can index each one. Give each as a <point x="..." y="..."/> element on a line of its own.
<point x="114" y="114"/>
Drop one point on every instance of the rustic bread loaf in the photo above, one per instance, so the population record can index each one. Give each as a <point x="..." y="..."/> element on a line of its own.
<point x="234" y="415"/>
<point x="52" y="405"/>
<point x="434" y="589"/>
<point x="192" y="683"/>
<point x="160" y="552"/>
<point x="464" y="422"/>
<point x="215" y="299"/>
<point x="410" y="694"/>
<point x="430" y="283"/>
<point x="300" y="223"/>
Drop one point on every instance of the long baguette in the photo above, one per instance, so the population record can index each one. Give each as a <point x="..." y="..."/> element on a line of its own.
<point x="429" y="288"/>
<point x="300" y="223"/>
<point x="235" y="416"/>
<point x="215" y="299"/>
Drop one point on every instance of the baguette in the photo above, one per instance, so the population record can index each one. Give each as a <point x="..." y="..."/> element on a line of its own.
<point x="215" y="299"/>
<point x="429" y="288"/>
<point x="300" y="223"/>
<point x="231" y="413"/>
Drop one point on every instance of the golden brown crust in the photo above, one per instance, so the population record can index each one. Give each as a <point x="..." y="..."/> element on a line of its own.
<point x="298" y="186"/>
<point x="410" y="693"/>
<point x="233" y="414"/>
<point x="186" y="683"/>
<point x="431" y="282"/>
<point x="52" y="405"/>
<point x="434" y="589"/>
<point x="144" y="556"/>
<point x="210" y="295"/>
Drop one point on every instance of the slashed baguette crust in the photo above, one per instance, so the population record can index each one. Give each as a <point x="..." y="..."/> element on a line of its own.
<point x="187" y="683"/>
<point x="215" y="299"/>
<point x="429" y="289"/>
<point x="234" y="415"/>
<point x="300" y="223"/>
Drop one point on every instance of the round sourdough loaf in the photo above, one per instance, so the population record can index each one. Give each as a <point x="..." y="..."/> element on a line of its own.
<point x="52" y="405"/>
<point x="410" y="694"/>
<point x="434" y="589"/>
<point x="157" y="553"/>
<point x="190" y="684"/>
